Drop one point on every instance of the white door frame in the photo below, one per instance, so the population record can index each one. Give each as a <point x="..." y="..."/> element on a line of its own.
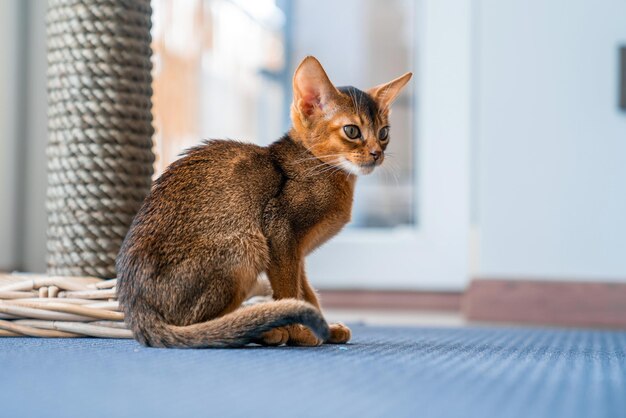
<point x="432" y="255"/>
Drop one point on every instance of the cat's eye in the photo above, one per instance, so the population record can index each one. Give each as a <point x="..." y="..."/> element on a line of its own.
<point x="383" y="135"/>
<point x="352" y="131"/>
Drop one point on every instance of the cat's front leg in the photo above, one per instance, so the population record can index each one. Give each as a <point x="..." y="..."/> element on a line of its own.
<point x="339" y="333"/>
<point x="284" y="276"/>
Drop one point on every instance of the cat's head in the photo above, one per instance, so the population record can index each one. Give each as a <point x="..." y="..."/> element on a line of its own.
<point x="342" y="126"/>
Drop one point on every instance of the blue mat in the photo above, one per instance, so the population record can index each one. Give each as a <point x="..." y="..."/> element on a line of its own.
<point x="385" y="372"/>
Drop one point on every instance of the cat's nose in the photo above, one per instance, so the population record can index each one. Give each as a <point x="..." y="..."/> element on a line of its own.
<point x="376" y="153"/>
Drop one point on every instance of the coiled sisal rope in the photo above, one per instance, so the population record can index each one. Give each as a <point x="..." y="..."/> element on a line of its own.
<point x="100" y="126"/>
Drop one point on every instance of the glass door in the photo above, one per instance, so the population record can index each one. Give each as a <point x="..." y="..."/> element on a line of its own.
<point x="410" y="228"/>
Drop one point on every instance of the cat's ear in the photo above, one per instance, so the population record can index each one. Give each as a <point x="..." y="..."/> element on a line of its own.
<point x="385" y="94"/>
<point x="313" y="93"/>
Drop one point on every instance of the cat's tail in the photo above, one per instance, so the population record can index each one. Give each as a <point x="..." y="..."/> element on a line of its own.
<point x="235" y="329"/>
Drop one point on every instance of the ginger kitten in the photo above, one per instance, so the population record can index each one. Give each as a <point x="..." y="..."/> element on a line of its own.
<point x="228" y="211"/>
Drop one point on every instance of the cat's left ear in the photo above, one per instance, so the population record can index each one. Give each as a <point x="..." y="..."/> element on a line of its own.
<point x="385" y="94"/>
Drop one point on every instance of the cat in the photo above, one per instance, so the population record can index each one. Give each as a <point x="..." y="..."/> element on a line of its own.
<point x="228" y="211"/>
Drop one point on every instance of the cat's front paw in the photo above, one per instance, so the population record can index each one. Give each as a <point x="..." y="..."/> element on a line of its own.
<point x="276" y="336"/>
<point x="302" y="336"/>
<point x="339" y="334"/>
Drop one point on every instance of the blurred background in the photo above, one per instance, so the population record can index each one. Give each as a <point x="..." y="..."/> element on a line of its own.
<point x="505" y="190"/>
<point x="223" y="69"/>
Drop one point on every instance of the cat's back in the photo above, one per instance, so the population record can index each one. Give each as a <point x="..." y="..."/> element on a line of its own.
<point x="218" y="186"/>
<point x="223" y="169"/>
<point x="219" y="169"/>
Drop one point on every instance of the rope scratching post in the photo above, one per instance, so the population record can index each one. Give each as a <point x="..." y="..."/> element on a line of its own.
<point x="99" y="169"/>
<point x="100" y="127"/>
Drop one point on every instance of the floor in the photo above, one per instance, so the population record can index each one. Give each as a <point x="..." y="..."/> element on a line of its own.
<point x="415" y="371"/>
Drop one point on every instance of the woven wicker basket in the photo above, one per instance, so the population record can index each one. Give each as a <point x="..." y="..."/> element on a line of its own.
<point x="44" y="306"/>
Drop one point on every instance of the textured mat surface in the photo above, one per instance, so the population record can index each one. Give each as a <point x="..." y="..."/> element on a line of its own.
<point x="385" y="372"/>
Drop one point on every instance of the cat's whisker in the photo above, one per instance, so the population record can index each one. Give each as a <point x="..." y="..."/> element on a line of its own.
<point x="394" y="165"/>
<point x="335" y="157"/>
<point x="322" y="168"/>
<point x="383" y="169"/>
<point x="329" y="170"/>
<point x="333" y="162"/>
<point x="313" y="146"/>
<point x="310" y="149"/>
<point x="319" y="157"/>
<point x="325" y="167"/>
<point x="392" y="169"/>
<point x="389" y="167"/>
<point x="311" y="155"/>
<point x="389" y="173"/>
<point x="313" y="169"/>
<point x="391" y="158"/>
<point x="322" y="165"/>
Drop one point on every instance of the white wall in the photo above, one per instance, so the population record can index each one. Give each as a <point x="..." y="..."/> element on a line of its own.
<point x="551" y="167"/>
<point x="9" y="131"/>
<point x="35" y="178"/>
<point x="23" y="135"/>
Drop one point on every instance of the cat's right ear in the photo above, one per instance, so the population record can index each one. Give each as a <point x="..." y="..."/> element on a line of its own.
<point x="313" y="92"/>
